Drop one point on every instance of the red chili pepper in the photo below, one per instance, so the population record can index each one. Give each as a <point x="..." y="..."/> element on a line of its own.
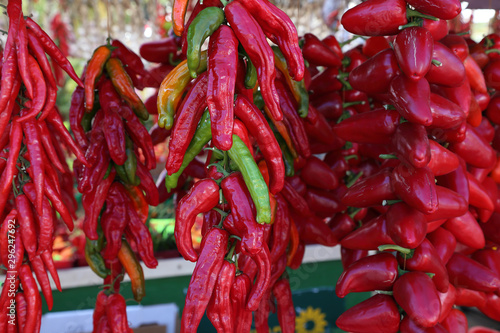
<point x="39" y="94"/>
<point x="445" y="113"/>
<point x="449" y="70"/>
<point x="413" y="49"/>
<point x="417" y="295"/>
<point x="113" y="221"/>
<point x="219" y="309"/>
<point x="313" y="229"/>
<point x="318" y="86"/>
<point x="318" y="174"/>
<point x="382" y="68"/>
<point x="460" y="95"/>
<point x="370" y="191"/>
<point x="442" y="160"/>
<point x="318" y="53"/>
<point x="100" y="308"/>
<point x="239" y="291"/>
<point x="475" y="150"/>
<point x="490" y="308"/>
<point x="21" y="310"/>
<point x="375" y="18"/>
<point x="444" y="243"/>
<point x="377" y="314"/>
<point x="10" y="87"/>
<point x="416" y="187"/>
<point x="405" y="225"/>
<point x="409" y="326"/>
<point x="411" y="99"/>
<point x="139" y="232"/>
<point x="456" y="321"/>
<point x="475" y="75"/>
<point x="374" y="45"/>
<point x="116" y="312"/>
<point x="52" y="50"/>
<point x="467" y="273"/>
<point x="411" y="144"/>
<point x="45" y="221"/>
<point x="370" y="236"/>
<point x="33" y="298"/>
<point x="286" y="310"/>
<point x="450" y="204"/>
<point x="470" y="298"/>
<point x="443" y="9"/>
<point x="295" y="200"/>
<point x="377" y="272"/>
<point x="492" y="75"/>
<point x="204" y="278"/>
<point x="202" y="197"/>
<point x="22" y="58"/>
<point x="49" y="263"/>
<point x="43" y="279"/>
<point x="323" y="203"/>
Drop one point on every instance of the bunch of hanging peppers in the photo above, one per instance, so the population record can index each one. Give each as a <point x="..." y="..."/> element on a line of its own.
<point x="35" y="180"/>
<point x="117" y="188"/>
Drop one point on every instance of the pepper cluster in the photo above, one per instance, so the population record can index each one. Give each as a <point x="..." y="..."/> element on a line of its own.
<point x="423" y="151"/>
<point x="116" y="185"/>
<point x="35" y="180"/>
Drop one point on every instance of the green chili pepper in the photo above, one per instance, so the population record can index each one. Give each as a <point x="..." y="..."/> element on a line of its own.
<point x="298" y="88"/>
<point x="257" y="187"/>
<point x="258" y="100"/>
<point x="204" y="25"/>
<point x="251" y="74"/>
<point x="287" y="155"/>
<point x="201" y="137"/>
<point x="131" y="164"/>
<point x="89" y="116"/>
<point x="93" y="256"/>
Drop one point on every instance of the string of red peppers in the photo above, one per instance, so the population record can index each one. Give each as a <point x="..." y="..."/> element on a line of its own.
<point x="35" y="180"/>
<point x="116" y="185"/>
<point x="408" y="164"/>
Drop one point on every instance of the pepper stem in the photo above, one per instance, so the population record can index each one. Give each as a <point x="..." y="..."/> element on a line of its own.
<point x="346" y="61"/>
<point x="388" y="156"/>
<point x="354" y="213"/>
<point x="219" y="169"/>
<point x="350" y="40"/>
<point x="463" y="33"/>
<point x="492" y="51"/>
<point x="416" y="23"/>
<point x="395" y="248"/>
<point x="346" y="105"/>
<point x="224" y="3"/>
<point x="345" y="83"/>
<point x="229" y="256"/>
<point x="350" y="157"/>
<point x="437" y="63"/>
<point x="354" y="179"/>
<point x="413" y="13"/>
<point x="384" y="292"/>
<point x="220" y="211"/>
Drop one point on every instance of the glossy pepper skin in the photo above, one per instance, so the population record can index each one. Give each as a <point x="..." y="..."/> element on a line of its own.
<point x="256" y="185"/>
<point x="371" y="191"/>
<point x="369" y="237"/>
<point x="444" y="243"/>
<point x="219" y="309"/>
<point x="286" y="310"/>
<point x="33" y="299"/>
<point x="222" y="69"/>
<point x="381" y="68"/>
<point x="412" y="145"/>
<point x="187" y="117"/>
<point x="204" y="25"/>
<point x="413" y="48"/>
<point x="451" y="73"/>
<point x="116" y="312"/>
<point x="442" y="160"/>
<point x="204" y="278"/>
<point x="134" y="270"/>
<point x="238" y="295"/>
<point x="467" y="273"/>
<point x="318" y="53"/>
<point x="475" y="150"/>
<point x="260" y="130"/>
<point x="202" y="197"/>
<point x="466" y="230"/>
<point x="405" y="225"/>
<point x="411" y="99"/>
<point x="377" y="314"/>
<point x="317" y="173"/>
<point x="416" y="294"/>
<point x="94" y="70"/>
<point x="443" y="9"/>
<point x="377" y="272"/>
<point x="375" y="18"/>
<point x="280" y="30"/>
<point x="253" y="40"/>
<point x="114" y="221"/>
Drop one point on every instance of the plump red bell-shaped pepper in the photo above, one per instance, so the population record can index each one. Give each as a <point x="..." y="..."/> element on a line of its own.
<point x="413" y="48"/>
<point x="444" y="243"/>
<point x="350" y="256"/>
<point x="370" y="191"/>
<point x="411" y="144"/>
<point x="374" y="45"/>
<point x="374" y="126"/>
<point x="445" y="113"/>
<point x="470" y="298"/>
<point x="382" y="68"/>
<point x="466" y="230"/>
<point x="370" y="236"/>
<point x="318" y="174"/>
<point x="318" y="53"/>
<point x="447" y="300"/>
<point x="409" y="326"/>
<point x="449" y="70"/>
<point x="467" y="273"/>
<point x="457" y="45"/>
<point x="416" y="187"/>
<point x="416" y="294"/>
<point x="405" y="225"/>
<point x="425" y="259"/>
<point x="377" y="272"/>
<point x="456" y="321"/>
<point x="341" y="225"/>
<point x="443" y="9"/>
<point x="315" y="230"/>
<point x="411" y="99"/>
<point x="492" y="75"/>
<point x="375" y="18"/>
<point x="475" y="150"/>
<point x="438" y="29"/>
<point x="323" y="203"/>
<point x="450" y="204"/>
<point x="442" y="160"/>
<point x="489" y="257"/>
<point x="378" y="314"/>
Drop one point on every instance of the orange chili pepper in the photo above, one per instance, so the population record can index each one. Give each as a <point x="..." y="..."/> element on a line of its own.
<point x="294" y="242"/>
<point x="139" y="201"/>
<point x="178" y="15"/>
<point x="280" y="126"/>
<point x="125" y="88"/>
<point x="134" y="270"/>
<point x="94" y="70"/>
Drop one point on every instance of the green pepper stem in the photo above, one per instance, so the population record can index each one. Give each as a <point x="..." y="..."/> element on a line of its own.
<point x="463" y="33"/>
<point x="492" y="51"/>
<point x="350" y="157"/>
<point x="345" y="83"/>
<point x="342" y="75"/>
<point x="350" y="40"/>
<point x="416" y="23"/>
<point x="388" y="156"/>
<point x="395" y="248"/>
<point x="346" y="61"/>
<point x="384" y="292"/>
<point x="348" y="104"/>
<point x="354" y="213"/>
<point x="437" y="63"/>
<point x="224" y="3"/>
<point x="354" y="179"/>
<point x="413" y="13"/>
<point x="220" y="211"/>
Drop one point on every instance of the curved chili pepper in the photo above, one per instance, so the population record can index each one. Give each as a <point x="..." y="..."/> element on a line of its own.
<point x="318" y="53"/>
<point x="21" y="309"/>
<point x="222" y="69"/>
<point x="377" y="314"/>
<point x="171" y="90"/>
<point x="219" y="309"/>
<point x="323" y="203"/>
<point x="382" y="68"/>
<point x="256" y="185"/>
<point x="32" y="296"/>
<point x="114" y="134"/>
<point x="49" y="263"/>
<point x="45" y="221"/>
<point x="202" y="197"/>
<point x="200" y="139"/>
<point x="253" y="40"/>
<point x="100" y="308"/>
<point x="139" y="232"/>
<point x="52" y="50"/>
<point x="114" y="220"/>
<point x="286" y="310"/>
<point x="238" y="295"/>
<point x="204" y="25"/>
<point x="411" y="144"/>
<point x="93" y="71"/>
<point x="9" y="89"/>
<point x="444" y="243"/>
<point x="467" y="273"/>
<point x="133" y="269"/>
<point x="445" y="113"/>
<point x="22" y="58"/>
<point x="204" y="278"/>
<point x="39" y="95"/>
<point x="377" y="272"/>
<point x="187" y="117"/>
<point x="94" y="258"/>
